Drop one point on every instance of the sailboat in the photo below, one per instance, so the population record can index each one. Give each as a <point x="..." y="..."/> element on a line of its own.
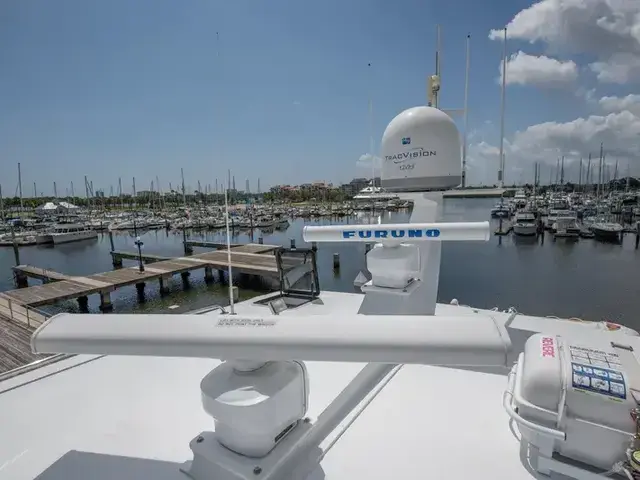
<point x="603" y="228"/>
<point x="303" y="384"/>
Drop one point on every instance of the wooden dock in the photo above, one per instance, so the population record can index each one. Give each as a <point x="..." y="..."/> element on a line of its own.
<point x="15" y="345"/>
<point x="251" y="259"/>
<point x="249" y="247"/>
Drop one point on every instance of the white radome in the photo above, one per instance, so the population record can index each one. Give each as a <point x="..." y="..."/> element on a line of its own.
<point x="421" y="151"/>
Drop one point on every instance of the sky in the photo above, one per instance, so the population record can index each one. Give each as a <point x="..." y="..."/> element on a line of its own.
<point x="280" y="89"/>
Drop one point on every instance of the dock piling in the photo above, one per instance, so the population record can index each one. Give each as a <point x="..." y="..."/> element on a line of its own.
<point x="16" y="250"/>
<point x="105" y="301"/>
<point x="111" y="241"/>
<point x="164" y="284"/>
<point x="21" y="279"/>
<point x="188" y="249"/>
<point x="83" y="303"/>
<point x="208" y="274"/>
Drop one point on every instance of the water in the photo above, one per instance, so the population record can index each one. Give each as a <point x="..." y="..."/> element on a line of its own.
<point x="584" y="278"/>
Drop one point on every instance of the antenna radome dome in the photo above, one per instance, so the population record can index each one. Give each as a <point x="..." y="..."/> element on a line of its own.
<point x="421" y="151"/>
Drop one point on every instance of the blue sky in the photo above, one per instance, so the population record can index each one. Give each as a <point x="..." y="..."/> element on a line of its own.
<point x="136" y="89"/>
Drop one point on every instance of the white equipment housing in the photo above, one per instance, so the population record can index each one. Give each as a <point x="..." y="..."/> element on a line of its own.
<point x="253" y="410"/>
<point x="421" y="151"/>
<point x="574" y="398"/>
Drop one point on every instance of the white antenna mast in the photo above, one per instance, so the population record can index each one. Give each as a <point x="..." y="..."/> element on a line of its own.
<point x="226" y="216"/>
<point x="466" y="108"/>
<point x="226" y="221"/>
<point x="433" y="86"/>
<point x="502" y="104"/>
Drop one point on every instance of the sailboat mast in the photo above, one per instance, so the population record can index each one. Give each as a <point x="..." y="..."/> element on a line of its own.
<point x="580" y="175"/>
<point x="502" y="107"/>
<point x="599" y="174"/>
<point x="20" y="186"/>
<point x="371" y="146"/>
<point x="184" y="195"/>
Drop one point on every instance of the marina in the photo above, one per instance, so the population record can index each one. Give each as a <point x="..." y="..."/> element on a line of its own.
<point x="511" y="254"/>
<point x="317" y="331"/>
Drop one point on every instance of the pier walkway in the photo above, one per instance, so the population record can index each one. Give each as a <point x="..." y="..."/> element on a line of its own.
<point x="252" y="259"/>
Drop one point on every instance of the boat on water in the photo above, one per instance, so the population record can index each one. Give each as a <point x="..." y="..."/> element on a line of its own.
<point x="520" y="199"/>
<point x="525" y="224"/>
<point x="391" y="373"/>
<point x="566" y="224"/>
<point x="65" y="233"/>
<point x="606" y="230"/>
<point x="500" y="210"/>
<point x="376" y="194"/>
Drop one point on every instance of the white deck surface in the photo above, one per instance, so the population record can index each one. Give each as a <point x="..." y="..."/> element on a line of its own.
<point x="133" y="418"/>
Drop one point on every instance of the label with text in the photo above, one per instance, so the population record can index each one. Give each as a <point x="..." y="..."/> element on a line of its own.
<point x="245" y="322"/>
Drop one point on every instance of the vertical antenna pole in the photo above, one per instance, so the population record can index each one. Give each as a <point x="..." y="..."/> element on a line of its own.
<point x="226" y="215"/>
<point x="436" y="94"/>
<point x="502" y="106"/>
<point x="466" y="108"/>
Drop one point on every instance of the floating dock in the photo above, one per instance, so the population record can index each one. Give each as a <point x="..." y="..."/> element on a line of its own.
<point x="251" y="259"/>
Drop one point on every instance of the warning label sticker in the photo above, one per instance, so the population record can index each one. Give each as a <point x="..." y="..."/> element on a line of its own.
<point x="594" y="357"/>
<point x="592" y="378"/>
<point x="245" y="322"/>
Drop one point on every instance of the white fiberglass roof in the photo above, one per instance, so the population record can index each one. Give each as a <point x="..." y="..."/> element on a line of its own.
<point x="133" y="417"/>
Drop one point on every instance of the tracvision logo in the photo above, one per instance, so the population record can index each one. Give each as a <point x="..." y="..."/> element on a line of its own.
<point x="410" y="155"/>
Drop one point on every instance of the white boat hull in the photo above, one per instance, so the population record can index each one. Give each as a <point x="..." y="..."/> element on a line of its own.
<point x="525" y="229"/>
<point x="43" y="239"/>
<point x="73" y="236"/>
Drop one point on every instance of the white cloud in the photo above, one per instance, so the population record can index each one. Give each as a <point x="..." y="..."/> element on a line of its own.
<point x="629" y="103"/>
<point x="609" y="30"/>
<point x="619" y="68"/>
<point x="524" y="69"/>
<point x="545" y="142"/>
<point x="366" y="159"/>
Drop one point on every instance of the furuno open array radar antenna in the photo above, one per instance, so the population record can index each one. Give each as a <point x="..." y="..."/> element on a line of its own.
<point x="258" y="396"/>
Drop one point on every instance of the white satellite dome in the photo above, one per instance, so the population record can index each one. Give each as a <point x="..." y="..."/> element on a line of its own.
<point x="421" y="151"/>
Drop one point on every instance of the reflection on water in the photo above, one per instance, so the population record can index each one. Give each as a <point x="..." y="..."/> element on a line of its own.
<point x="581" y="278"/>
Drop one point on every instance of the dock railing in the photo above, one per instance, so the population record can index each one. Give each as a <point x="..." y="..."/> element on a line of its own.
<point x="27" y="316"/>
